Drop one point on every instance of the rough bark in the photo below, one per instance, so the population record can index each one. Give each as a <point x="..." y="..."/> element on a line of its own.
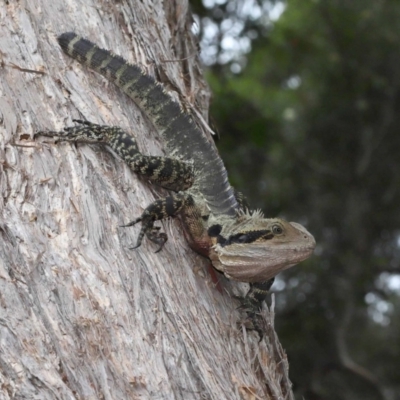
<point x="81" y="315"/>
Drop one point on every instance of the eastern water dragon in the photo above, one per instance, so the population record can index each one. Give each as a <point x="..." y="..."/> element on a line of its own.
<point x="240" y="243"/>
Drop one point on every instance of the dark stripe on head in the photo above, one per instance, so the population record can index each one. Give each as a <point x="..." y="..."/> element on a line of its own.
<point x="249" y="237"/>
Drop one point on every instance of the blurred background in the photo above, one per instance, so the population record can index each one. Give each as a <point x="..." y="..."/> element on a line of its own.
<point x="306" y="100"/>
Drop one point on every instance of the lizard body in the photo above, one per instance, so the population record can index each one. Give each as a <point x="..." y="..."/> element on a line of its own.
<point x="242" y="244"/>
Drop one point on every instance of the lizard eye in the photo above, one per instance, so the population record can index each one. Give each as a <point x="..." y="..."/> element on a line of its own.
<point x="277" y="230"/>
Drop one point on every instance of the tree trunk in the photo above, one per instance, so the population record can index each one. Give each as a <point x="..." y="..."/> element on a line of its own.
<point x="81" y="315"/>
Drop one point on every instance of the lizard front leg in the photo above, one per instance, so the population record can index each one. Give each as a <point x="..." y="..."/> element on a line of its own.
<point x="160" y="209"/>
<point x="167" y="172"/>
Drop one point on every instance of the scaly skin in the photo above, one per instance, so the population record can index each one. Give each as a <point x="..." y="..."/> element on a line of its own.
<point x="242" y="244"/>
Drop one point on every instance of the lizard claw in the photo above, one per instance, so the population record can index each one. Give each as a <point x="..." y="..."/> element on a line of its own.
<point x="157" y="237"/>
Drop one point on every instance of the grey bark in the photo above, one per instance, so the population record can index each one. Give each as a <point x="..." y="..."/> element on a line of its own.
<point x="81" y="315"/>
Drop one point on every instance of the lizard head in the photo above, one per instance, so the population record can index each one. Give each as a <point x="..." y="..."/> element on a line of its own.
<point x="255" y="249"/>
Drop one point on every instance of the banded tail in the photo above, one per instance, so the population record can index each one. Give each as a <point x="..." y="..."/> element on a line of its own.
<point x="181" y="135"/>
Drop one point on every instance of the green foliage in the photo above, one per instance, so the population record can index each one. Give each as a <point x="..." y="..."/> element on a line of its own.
<point x="310" y="130"/>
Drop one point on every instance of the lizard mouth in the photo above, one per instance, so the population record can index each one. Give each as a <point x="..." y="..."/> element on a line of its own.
<point x="257" y="262"/>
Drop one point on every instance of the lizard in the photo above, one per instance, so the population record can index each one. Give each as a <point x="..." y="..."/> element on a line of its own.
<point x="241" y="243"/>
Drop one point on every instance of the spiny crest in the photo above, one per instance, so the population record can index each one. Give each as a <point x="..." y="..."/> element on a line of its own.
<point x="256" y="214"/>
<point x="246" y="214"/>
